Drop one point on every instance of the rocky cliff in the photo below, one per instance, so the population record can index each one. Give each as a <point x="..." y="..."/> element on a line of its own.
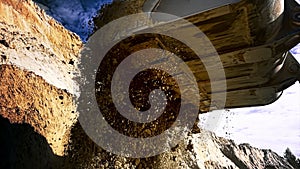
<point x="37" y="61"/>
<point x="38" y="118"/>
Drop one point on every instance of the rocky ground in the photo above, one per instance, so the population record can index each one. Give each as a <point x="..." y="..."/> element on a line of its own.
<point x="38" y="118"/>
<point x="203" y="150"/>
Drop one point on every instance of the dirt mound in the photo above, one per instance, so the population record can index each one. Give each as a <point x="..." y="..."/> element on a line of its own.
<point x="38" y="58"/>
<point x="27" y="98"/>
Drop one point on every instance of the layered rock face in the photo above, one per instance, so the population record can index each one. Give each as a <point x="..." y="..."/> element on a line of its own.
<point x="38" y="118"/>
<point x="37" y="60"/>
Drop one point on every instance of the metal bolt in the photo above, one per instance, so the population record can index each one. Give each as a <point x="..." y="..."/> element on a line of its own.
<point x="297" y="17"/>
<point x="294" y="68"/>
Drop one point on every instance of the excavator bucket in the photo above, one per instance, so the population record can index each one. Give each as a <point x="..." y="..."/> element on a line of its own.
<point x="252" y="38"/>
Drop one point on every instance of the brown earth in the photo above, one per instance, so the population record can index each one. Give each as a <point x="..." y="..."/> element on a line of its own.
<point x="28" y="17"/>
<point x="27" y="98"/>
<point x="117" y="10"/>
<point x="36" y="90"/>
